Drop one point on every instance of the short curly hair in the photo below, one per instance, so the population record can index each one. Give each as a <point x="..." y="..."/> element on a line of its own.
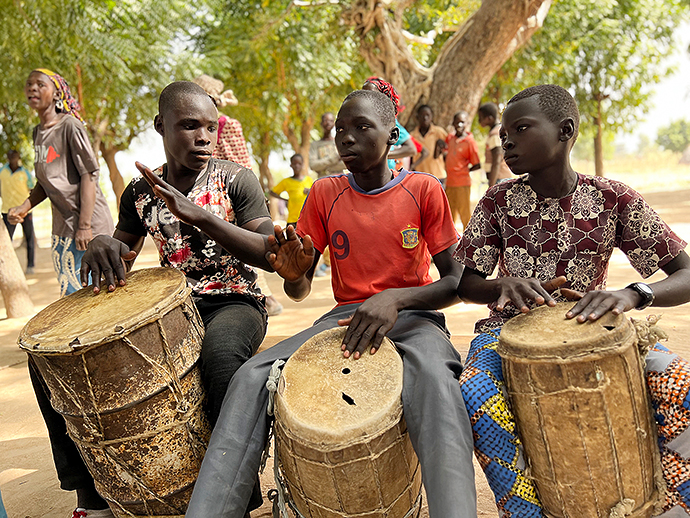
<point x="383" y="105"/>
<point x="555" y="101"/>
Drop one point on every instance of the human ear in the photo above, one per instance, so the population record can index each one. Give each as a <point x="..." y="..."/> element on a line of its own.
<point x="567" y="129"/>
<point x="394" y="136"/>
<point x="158" y="124"/>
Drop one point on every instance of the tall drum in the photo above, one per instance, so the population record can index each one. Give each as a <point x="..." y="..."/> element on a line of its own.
<point x="342" y="444"/>
<point x="123" y="370"/>
<point x="583" y="413"/>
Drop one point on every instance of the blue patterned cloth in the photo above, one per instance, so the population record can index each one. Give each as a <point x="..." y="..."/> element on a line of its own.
<point x="499" y="450"/>
<point x="67" y="263"/>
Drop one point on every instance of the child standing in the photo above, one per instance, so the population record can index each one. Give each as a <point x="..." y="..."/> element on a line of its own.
<point x="381" y="290"/>
<point x="551" y="228"/>
<point x="433" y="138"/>
<point x="496" y="168"/>
<point x="462" y="156"/>
<point x="297" y="188"/>
<point x="15" y="185"/>
<point x="67" y="173"/>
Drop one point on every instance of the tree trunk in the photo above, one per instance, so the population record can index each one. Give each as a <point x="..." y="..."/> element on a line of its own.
<point x="467" y="62"/>
<point x="108" y="153"/>
<point x="265" y="176"/>
<point x="598" y="143"/>
<point x="15" y="291"/>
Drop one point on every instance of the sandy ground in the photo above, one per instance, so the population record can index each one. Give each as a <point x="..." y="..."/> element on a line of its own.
<point x="27" y="476"/>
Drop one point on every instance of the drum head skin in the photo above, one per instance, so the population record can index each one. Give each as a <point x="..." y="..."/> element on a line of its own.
<point x="85" y="319"/>
<point x="326" y="398"/>
<point x="545" y="333"/>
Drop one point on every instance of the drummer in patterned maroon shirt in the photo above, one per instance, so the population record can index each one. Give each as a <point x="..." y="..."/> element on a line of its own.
<point x="554" y="228"/>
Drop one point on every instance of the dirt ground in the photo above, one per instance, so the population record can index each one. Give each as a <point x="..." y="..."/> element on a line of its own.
<point x="27" y="477"/>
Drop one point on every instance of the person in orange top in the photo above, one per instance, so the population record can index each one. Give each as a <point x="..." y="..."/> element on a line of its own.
<point x="462" y="156"/>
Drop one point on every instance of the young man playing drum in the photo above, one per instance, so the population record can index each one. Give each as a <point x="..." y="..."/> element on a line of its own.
<point x="555" y="228"/>
<point x="222" y="194"/>
<point x="382" y="290"/>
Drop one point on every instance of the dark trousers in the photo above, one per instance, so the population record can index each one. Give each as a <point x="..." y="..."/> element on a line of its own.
<point x="234" y="330"/>
<point x="28" y="229"/>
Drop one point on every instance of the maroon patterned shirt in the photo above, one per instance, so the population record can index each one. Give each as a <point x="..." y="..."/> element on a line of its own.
<point x="528" y="235"/>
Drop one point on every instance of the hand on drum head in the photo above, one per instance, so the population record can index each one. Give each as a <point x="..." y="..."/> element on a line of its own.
<point x="289" y="256"/>
<point x="595" y="304"/>
<point x="176" y="202"/>
<point x="369" y="324"/>
<point x="519" y="292"/>
<point x="105" y="258"/>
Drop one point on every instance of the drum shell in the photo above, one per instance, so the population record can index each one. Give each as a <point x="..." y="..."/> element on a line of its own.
<point x="583" y="412"/>
<point x="133" y="404"/>
<point x="370" y="471"/>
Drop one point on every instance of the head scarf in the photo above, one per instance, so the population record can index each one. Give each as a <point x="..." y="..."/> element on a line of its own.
<point x="386" y="88"/>
<point x="214" y="88"/>
<point x="69" y="103"/>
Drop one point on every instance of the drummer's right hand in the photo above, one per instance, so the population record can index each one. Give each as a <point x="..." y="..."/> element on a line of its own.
<point x="519" y="291"/>
<point x="105" y="257"/>
<point x="290" y="256"/>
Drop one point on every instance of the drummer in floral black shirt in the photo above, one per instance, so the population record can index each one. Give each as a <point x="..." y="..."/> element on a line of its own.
<point x="554" y="228"/>
<point x="220" y="262"/>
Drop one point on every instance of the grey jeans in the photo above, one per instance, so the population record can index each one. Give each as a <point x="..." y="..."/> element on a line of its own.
<point x="434" y="410"/>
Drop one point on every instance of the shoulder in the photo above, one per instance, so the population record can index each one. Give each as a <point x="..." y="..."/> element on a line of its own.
<point x="421" y="181"/>
<point x="232" y="171"/>
<point x="440" y="131"/>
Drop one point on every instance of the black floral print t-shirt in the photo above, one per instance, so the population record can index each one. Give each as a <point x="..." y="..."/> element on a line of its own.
<point x="225" y="189"/>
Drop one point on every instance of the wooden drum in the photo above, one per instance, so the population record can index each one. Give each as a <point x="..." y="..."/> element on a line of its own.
<point x="583" y="413"/>
<point x="123" y="370"/>
<point x="341" y="440"/>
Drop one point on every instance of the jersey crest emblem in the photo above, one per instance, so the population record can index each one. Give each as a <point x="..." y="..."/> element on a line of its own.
<point x="410" y="237"/>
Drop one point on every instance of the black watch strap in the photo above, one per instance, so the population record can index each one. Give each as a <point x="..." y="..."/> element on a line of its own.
<point x="645" y="292"/>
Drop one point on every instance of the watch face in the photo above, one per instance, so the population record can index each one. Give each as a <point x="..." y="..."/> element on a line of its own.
<point x="645" y="292"/>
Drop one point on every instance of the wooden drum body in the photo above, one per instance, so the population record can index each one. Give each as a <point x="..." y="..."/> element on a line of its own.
<point x="342" y="443"/>
<point x="583" y="412"/>
<point x="123" y="370"/>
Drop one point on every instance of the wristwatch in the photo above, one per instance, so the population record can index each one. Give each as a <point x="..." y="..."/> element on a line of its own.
<point x="644" y="291"/>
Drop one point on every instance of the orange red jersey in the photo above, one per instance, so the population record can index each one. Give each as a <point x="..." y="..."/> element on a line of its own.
<point x="378" y="239"/>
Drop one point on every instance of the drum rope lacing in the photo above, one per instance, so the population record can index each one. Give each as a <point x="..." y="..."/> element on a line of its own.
<point x="282" y="493"/>
<point x="183" y="408"/>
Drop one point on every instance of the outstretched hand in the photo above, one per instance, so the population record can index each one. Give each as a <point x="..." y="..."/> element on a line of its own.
<point x="105" y="257"/>
<point x="290" y="256"/>
<point x="519" y="292"/>
<point x="176" y="202"/>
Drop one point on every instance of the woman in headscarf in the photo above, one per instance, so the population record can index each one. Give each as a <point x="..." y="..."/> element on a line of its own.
<point x="67" y="172"/>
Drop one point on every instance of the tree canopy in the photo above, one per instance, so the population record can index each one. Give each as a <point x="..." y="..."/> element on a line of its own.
<point x="675" y="137"/>
<point x="116" y="56"/>
<point x="608" y="53"/>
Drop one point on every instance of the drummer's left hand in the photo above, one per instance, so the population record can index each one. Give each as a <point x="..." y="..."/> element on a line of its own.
<point x="177" y="202"/>
<point x="369" y="324"/>
<point x="594" y="304"/>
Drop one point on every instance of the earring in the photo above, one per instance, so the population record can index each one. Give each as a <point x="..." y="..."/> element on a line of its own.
<point x="59" y="106"/>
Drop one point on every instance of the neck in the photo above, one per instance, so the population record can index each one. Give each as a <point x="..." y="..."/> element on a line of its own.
<point x="13" y="169"/>
<point x="48" y="116"/>
<point x="374" y="178"/>
<point x="327" y="136"/>
<point x="554" y="183"/>
<point x="180" y="177"/>
<point x="424" y="129"/>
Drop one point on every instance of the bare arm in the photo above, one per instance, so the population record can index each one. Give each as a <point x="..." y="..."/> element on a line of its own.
<point x="674" y="290"/>
<point x="87" y="201"/>
<point x="496" y="157"/>
<point x="422" y="156"/>
<point x="406" y="149"/>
